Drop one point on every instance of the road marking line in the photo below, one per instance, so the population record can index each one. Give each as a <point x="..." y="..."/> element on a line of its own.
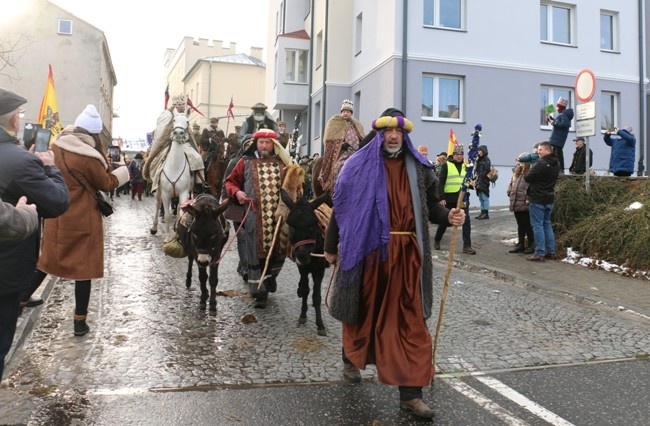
<point x="522" y="401"/>
<point x="489" y="405"/>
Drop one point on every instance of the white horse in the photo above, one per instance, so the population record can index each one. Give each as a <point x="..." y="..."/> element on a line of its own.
<point x="175" y="179"/>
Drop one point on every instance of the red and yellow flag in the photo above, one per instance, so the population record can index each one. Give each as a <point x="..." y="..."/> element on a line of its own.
<point x="452" y="142"/>
<point x="48" y="116"/>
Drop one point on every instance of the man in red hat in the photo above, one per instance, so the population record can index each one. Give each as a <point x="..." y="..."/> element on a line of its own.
<point x="256" y="180"/>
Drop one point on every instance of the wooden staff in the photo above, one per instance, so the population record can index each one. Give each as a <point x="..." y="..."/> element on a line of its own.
<point x="472" y="154"/>
<point x="268" y="258"/>
<point x="445" y="288"/>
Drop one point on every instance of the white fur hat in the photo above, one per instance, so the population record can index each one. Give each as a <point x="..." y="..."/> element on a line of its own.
<point x="347" y="105"/>
<point x="89" y="119"/>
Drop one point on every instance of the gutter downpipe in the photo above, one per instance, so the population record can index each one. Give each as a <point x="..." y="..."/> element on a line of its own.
<point x="325" y="43"/>
<point x="643" y="122"/>
<point x="311" y="77"/>
<point x="405" y="53"/>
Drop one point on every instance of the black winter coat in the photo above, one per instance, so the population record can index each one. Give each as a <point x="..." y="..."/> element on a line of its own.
<point x="23" y="174"/>
<point x="542" y="177"/>
<point x="578" y="165"/>
<point x="483" y="165"/>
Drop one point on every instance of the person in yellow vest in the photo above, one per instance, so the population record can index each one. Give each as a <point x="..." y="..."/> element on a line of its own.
<point x="452" y="173"/>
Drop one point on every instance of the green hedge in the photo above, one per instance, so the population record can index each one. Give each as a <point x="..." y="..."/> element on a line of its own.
<point x="596" y="223"/>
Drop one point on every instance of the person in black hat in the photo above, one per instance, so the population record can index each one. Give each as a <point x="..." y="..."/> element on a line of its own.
<point x="258" y="120"/>
<point x="22" y="174"/>
<point x="579" y="163"/>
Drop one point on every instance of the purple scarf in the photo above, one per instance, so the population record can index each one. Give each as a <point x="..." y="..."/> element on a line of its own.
<point x="361" y="206"/>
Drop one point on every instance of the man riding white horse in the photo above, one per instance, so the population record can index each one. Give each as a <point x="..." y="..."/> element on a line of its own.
<point x="162" y="142"/>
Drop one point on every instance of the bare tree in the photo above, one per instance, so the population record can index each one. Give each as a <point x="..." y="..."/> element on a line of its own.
<point x="12" y="47"/>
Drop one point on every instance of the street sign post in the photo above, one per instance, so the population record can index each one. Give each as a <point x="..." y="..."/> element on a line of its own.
<point x="585" y="87"/>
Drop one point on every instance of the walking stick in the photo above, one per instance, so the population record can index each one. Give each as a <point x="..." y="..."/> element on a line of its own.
<point x="268" y="258"/>
<point x="472" y="153"/>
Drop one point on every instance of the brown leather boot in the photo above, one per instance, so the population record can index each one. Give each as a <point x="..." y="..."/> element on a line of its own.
<point x="351" y="373"/>
<point x="417" y="407"/>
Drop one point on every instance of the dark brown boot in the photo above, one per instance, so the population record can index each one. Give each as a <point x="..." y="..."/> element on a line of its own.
<point x="80" y="326"/>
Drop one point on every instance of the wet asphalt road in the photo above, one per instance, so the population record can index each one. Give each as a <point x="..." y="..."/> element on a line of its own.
<point x="153" y="357"/>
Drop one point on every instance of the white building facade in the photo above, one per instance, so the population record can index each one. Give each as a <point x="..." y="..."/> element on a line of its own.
<point x="451" y="64"/>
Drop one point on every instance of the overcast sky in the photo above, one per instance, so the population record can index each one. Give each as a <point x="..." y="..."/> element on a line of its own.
<point x="139" y="32"/>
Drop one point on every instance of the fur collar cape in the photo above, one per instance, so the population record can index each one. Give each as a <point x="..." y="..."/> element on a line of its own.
<point x="79" y="143"/>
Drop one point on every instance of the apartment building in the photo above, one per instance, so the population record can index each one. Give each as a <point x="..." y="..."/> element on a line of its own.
<point x="78" y="53"/>
<point x="451" y="64"/>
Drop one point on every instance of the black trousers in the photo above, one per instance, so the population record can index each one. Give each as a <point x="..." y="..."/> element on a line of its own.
<point x="9" y="311"/>
<point x="467" y="229"/>
<point x="524" y="229"/>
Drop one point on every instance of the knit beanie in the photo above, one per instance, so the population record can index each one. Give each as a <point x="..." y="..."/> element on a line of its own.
<point x="89" y="119"/>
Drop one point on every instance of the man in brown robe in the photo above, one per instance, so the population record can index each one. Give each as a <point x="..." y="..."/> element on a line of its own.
<point x="383" y="291"/>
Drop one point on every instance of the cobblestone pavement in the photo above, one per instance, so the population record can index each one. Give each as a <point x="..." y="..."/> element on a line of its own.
<point x="147" y="331"/>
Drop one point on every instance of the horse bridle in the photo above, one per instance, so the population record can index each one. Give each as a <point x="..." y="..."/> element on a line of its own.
<point x="304" y="243"/>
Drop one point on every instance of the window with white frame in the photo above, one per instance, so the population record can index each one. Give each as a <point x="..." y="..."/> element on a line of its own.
<point x="65" y="26"/>
<point x="296" y="66"/>
<point x="556" y="22"/>
<point x="443" y="13"/>
<point x="358" y="34"/>
<point x="608" y="30"/>
<point x="548" y="99"/>
<point x="608" y="110"/>
<point x="442" y="97"/>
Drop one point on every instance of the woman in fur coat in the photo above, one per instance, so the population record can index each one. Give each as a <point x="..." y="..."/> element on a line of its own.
<point x="73" y="243"/>
<point x="517" y="189"/>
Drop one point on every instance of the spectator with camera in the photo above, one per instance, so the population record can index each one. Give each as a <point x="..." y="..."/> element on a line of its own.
<point x="22" y="174"/>
<point x="621" y="161"/>
<point x="73" y="243"/>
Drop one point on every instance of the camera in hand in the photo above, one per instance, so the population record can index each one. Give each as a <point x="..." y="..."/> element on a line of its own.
<point x="29" y="134"/>
<point x="114" y="152"/>
<point x="42" y="142"/>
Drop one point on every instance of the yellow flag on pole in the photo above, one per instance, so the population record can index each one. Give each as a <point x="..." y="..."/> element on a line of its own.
<point x="452" y="142"/>
<point x="48" y="116"/>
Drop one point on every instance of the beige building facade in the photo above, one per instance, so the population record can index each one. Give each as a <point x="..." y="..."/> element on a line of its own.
<point x="78" y="53"/>
<point x="213" y="73"/>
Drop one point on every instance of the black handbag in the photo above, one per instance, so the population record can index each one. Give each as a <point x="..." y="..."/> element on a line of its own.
<point x="103" y="202"/>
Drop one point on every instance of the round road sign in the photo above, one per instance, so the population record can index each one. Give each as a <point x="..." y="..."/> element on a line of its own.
<point x="585" y="85"/>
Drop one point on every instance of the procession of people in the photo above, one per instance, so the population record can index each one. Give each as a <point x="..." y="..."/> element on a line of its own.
<point x="383" y="191"/>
